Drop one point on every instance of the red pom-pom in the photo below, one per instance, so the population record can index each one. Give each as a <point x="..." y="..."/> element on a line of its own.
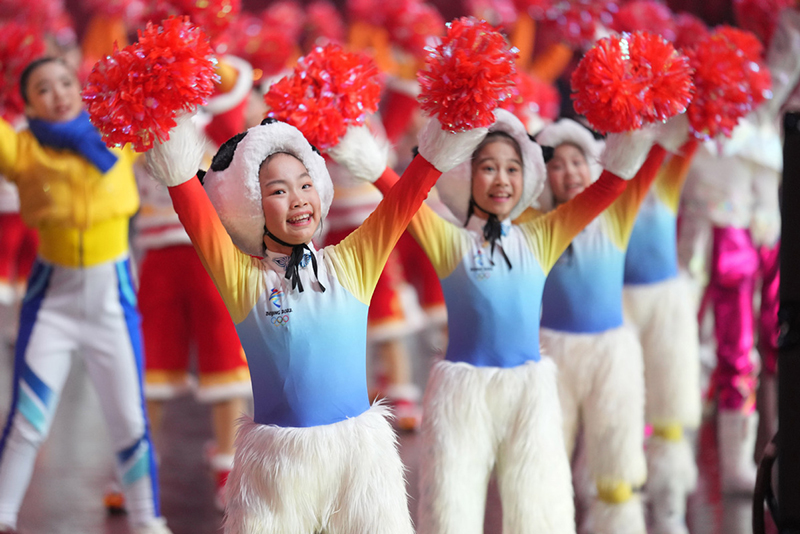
<point x="645" y="15"/>
<point x="411" y="23"/>
<point x="372" y="12"/>
<point x="626" y="81"/>
<point x="329" y="90"/>
<point x="730" y="81"/>
<point x="467" y="76"/>
<point x="134" y="95"/>
<point x="531" y="96"/>
<point x="324" y="23"/>
<point x="266" y="48"/>
<point x="689" y="30"/>
<point x="760" y="16"/>
<point x="579" y="20"/>
<point x="19" y="45"/>
<point x="286" y="15"/>
<point x="212" y="16"/>
<point x="498" y="13"/>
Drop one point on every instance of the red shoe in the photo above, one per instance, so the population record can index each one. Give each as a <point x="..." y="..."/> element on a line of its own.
<point x="221" y="465"/>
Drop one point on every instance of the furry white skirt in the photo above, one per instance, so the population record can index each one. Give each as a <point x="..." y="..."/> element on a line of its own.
<point x="665" y="316"/>
<point x="483" y="418"/>
<point x="601" y="387"/>
<point x="342" y="478"/>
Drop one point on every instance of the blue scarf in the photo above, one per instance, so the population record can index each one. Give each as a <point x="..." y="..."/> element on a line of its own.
<point x="78" y="135"/>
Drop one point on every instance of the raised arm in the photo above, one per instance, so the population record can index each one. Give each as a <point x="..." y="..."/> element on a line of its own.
<point x="549" y="235"/>
<point x="438" y="237"/>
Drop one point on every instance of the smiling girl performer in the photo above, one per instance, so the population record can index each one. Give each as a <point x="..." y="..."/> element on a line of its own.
<point x="316" y="456"/>
<point x="80" y="196"/>
<point x="493" y="402"/>
<point x="601" y="381"/>
<point x="658" y="302"/>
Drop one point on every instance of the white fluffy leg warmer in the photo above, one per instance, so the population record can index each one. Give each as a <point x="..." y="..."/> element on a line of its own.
<point x="664" y="314"/>
<point x="476" y="418"/>
<point x="343" y="478"/>
<point x="622" y="518"/>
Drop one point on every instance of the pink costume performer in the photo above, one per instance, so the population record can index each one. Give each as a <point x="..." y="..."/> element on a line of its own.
<point x="735" y="185"/>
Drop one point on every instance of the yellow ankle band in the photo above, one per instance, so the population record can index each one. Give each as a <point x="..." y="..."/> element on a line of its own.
<point x="614" y="492"/>
<point x="672" y="432"/>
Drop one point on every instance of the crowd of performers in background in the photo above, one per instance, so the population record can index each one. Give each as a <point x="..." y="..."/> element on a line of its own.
<point x="660" y="309"/>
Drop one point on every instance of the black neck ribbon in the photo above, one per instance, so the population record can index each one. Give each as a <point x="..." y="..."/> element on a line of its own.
<point x="295" y="261"/>
<point x="492" y="230"/>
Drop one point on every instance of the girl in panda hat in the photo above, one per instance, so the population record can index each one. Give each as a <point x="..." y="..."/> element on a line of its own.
<point x="493" y="402"/>
<point x="601" y="382"/>
<point x="316" y="457"/>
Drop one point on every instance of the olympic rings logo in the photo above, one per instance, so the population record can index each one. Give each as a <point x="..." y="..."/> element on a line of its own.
<point x="483" y="275"/>
<point x="279" y="320"/>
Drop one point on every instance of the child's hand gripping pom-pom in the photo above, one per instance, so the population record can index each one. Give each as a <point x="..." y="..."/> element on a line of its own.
<point x="464" y="80"/>
<point x="629" y="80"/>
<point x="134" y="94"/>
<point x="361" y="153"/>
<point x="329" y="90"/>
<point x="19" y="45"/>
<point x="467" y="76"/>
<point x="730" y="81"/>
<point x="176" y="160"/>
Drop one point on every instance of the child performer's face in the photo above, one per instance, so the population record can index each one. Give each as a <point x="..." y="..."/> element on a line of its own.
<point x="54" y="93"/>
<point x="568" y="172"/>
<point x="291" y="203"/>
<point x="497" y="179"/>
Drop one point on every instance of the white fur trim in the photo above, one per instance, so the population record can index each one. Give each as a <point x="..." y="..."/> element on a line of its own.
<point x="163" y="392"/>
<point x="455" y="186"/>
<point x="674" y="133"/>
<point x="623" y="518"/>
<point x="240" y="90"/>
<point x="477" y="418"/>
<point x="601" y="383"/>
<point x="224" y="392"/>
<point x="343" y="477"/>
<point x="757" y="142"/>
<point x="221" y="462"/>
<point x="670" y="467"/>
<point x="665" y="316"/>
<point x="569" y="131"/>
<point x="445" y="150"/>
<point x="177" y="159"/>
<point x="235" y="192"/>
<point x="361" y="153"/>
<point x="625" y="152"/>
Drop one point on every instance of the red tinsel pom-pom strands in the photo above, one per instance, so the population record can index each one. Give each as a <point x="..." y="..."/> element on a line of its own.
<point x="632" y="79"/>
<point x="467" y="76"/>
<point x="411" y="23"/>
<point x="645" y="15"/>
<point x="730" y="81"/>
<point x="760" y="16"/>
<point x="134" y="94"/>
<point x="689" y="30"/>
<point x="329" y="90"/>
<point x="19" y="45"/>
<point x="213" y="16"/>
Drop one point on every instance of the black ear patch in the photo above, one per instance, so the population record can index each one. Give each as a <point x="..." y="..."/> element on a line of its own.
<point x="547" y="153"/>
<point x="315" y="149"/>
<point x="224" y="156"/>
<point x="415" y="151"/>
<point x="201" y="175"/>
<point x="268" y="120"/>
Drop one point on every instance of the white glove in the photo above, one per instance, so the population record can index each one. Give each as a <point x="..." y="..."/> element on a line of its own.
<point x="177" y="159"/>
<point x="625" y="152"/>
<point x="674" y="133"/>
<point x="361" y="154"/>
<point x="446" y="150"/>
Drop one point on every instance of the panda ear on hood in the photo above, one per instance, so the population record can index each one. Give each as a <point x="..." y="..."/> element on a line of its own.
<point x="233" y="186"/>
